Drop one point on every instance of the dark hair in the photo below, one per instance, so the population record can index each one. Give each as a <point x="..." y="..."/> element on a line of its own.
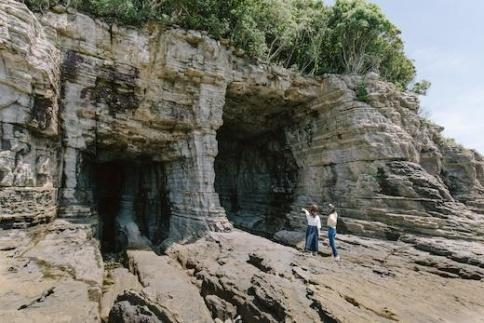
<point x="313" y="208"/>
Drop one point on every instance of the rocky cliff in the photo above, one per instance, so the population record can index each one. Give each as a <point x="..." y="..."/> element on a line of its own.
<point x="96" y="114"/>
<point x="139" y="137"/>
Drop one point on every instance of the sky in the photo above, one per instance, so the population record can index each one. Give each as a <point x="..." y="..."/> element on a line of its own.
<point x="445" y="38"/>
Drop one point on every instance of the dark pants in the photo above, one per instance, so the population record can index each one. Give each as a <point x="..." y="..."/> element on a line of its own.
<point x="331" y="237"/>
<point x="311" y="238"/>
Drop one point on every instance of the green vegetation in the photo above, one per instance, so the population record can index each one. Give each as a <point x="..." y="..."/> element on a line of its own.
<point x="421" y="87"/>
<point x="352" y="36"/>
<point x="362" y="92"/>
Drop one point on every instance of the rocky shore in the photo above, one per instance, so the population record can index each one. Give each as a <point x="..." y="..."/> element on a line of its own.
<point x="55" y="273"/>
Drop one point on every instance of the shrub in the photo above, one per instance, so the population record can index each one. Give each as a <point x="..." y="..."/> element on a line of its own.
<point x="352" y="36"/>
<point x="362" y="92"/>
<point x="421" y="87"/>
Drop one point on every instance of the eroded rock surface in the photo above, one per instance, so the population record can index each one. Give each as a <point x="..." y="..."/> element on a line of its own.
<point x="171" y="120"/>
<point x="118" y="281"/>
<point x="29" y="118"/>
<point x="119" y="138"/>
<point x="376" y="281"/>
<point x="51" y="273"/>
<point x="54" y="273"/>
<point x="164" y="281"/>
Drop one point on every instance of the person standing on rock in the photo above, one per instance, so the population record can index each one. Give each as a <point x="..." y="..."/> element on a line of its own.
<point x="331" y="223"/>
<point x="313" y="230"/>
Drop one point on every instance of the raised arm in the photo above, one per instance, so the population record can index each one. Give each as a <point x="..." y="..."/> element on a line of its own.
<point x="306" y="213"/>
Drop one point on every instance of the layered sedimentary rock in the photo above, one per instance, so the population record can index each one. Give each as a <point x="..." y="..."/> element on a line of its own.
<point x="384" y="166"/>
<point x="126" y="95"/>
<point x="151" y="129"/>
<point x="115" y="138"/>
<point x="268" y="282"/>
<point x="387" y="170"/>
<point x="54" y="273"/>
<point x="29" y="118"/>
<point x="134" y="95"/>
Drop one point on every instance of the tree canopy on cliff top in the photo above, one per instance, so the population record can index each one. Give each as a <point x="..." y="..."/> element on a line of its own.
<point x="351" y="36"/>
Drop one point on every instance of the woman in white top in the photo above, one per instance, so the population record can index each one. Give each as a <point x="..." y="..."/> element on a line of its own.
<point x="314" y="228"/>
<point x="332" y="221"/>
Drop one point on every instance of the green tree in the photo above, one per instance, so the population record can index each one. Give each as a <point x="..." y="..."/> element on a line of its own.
<point x="360" y="38"/>
<point x="421" y="87"/>
<point x="303" y="48"/>
<point x="352" y="36"/>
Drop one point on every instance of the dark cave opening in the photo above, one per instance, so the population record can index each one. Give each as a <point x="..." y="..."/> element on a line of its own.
<point x="130" y="191"/>
<point x="255" y="177"/>
<point x="109" y="178"/>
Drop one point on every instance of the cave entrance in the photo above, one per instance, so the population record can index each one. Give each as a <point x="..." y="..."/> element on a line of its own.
<point x="130" y="196"/>
<point x="256" y="176"/>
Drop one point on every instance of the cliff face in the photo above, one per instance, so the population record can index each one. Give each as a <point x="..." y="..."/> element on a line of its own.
<point x="149" y="129"/>
<point x="29" y="115"/>
<point x="389" y="171"/>
<point x="126" y="140"/>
